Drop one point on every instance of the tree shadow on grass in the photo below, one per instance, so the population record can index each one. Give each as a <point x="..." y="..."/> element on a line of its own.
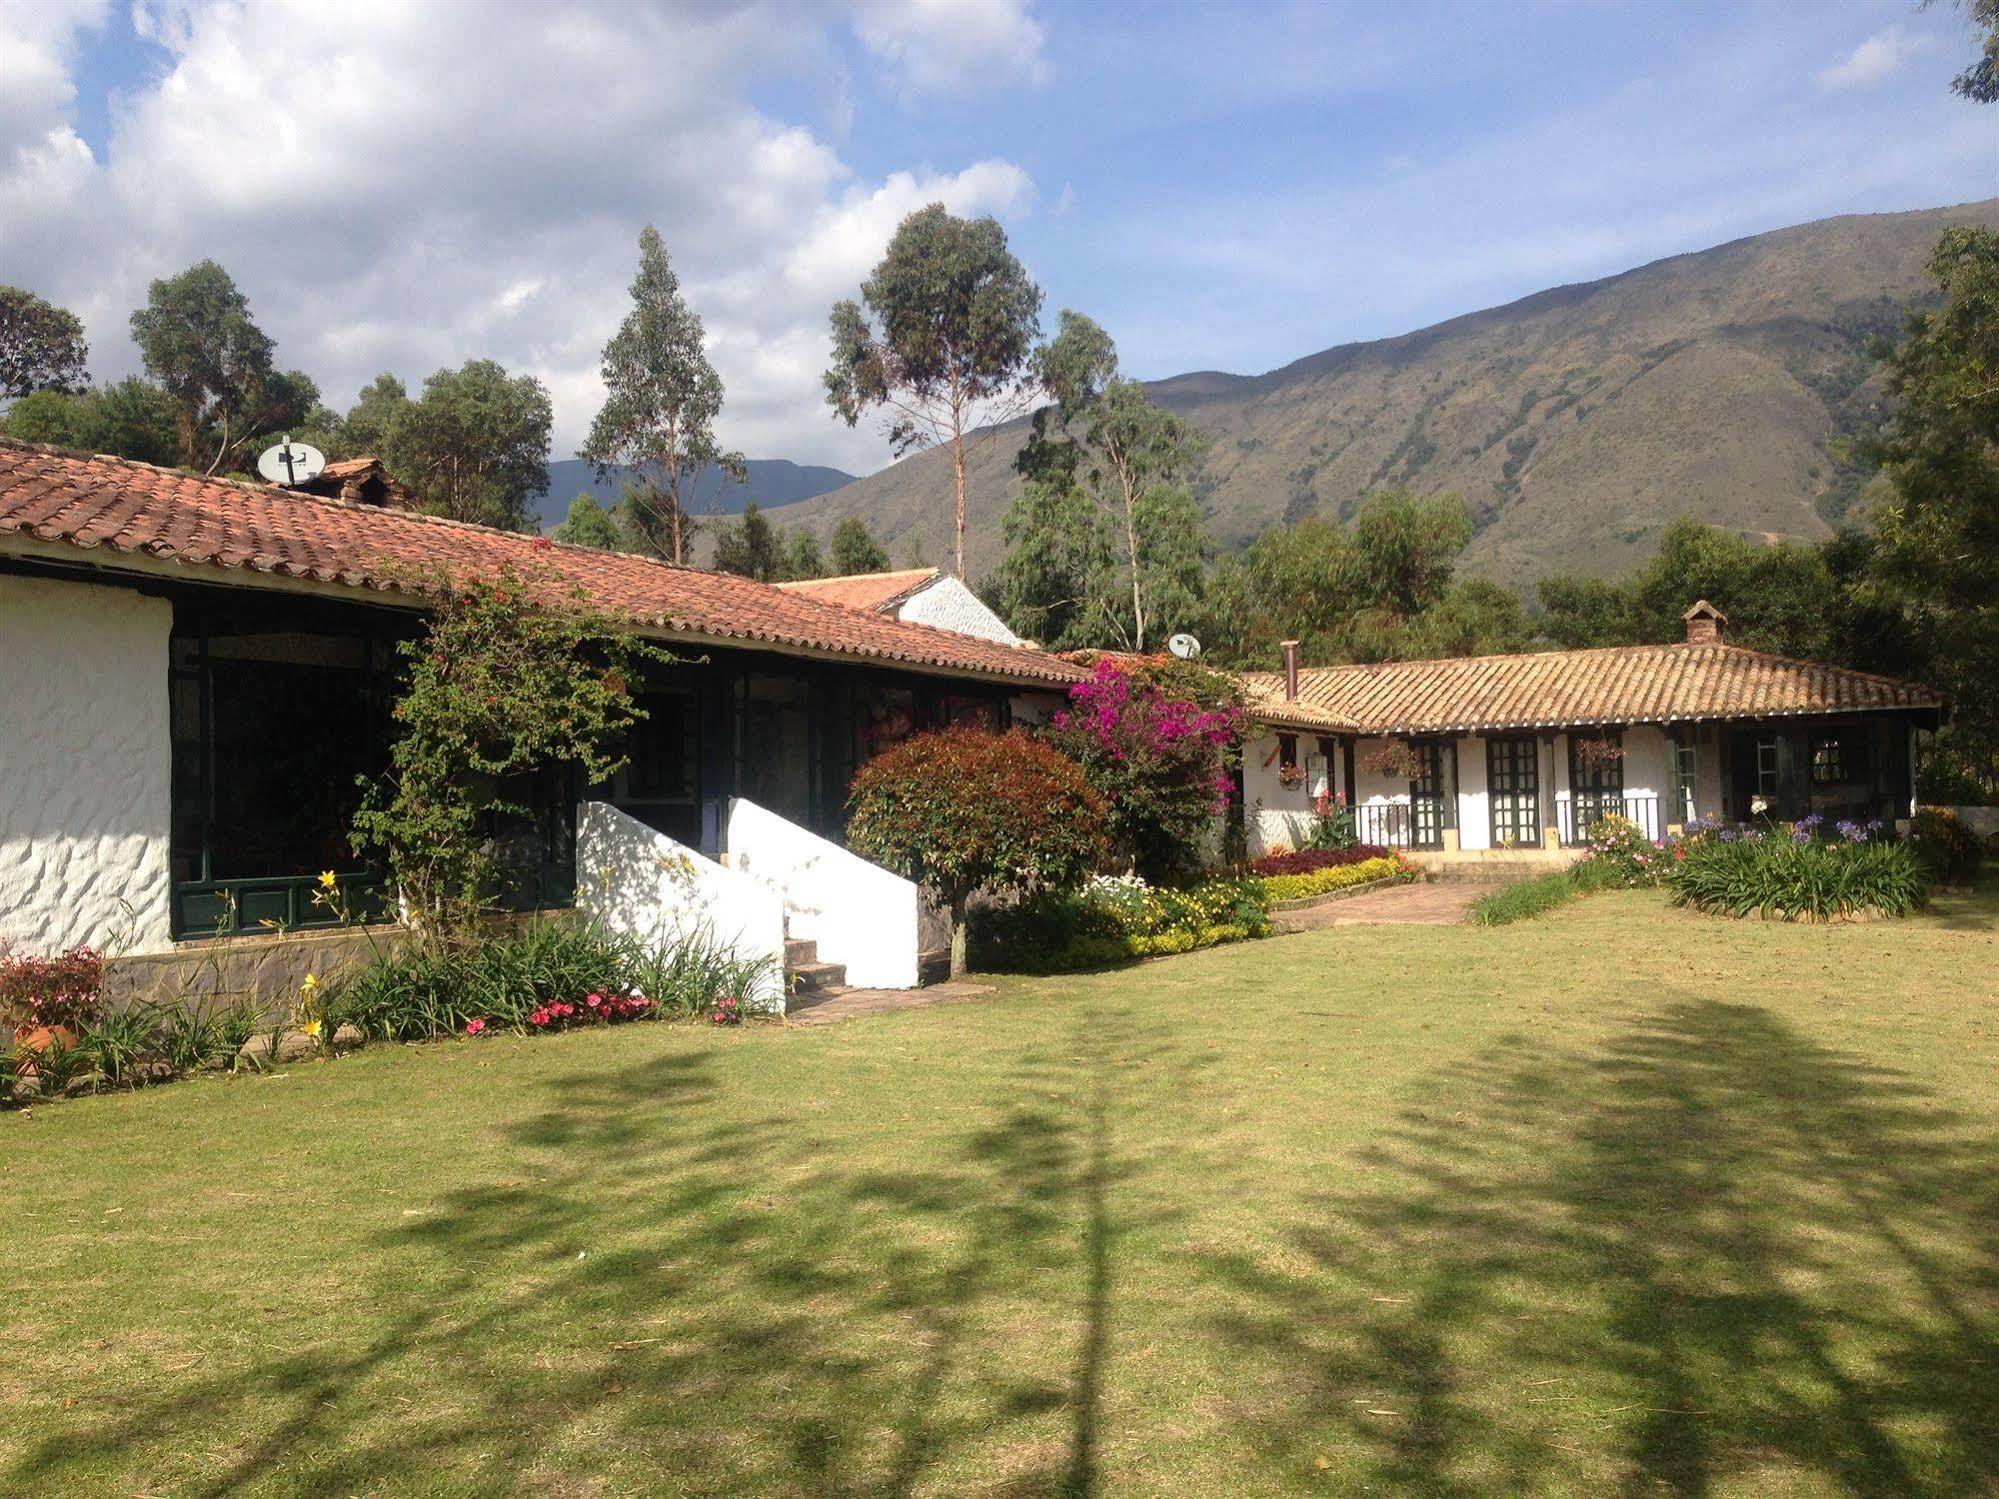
<point x="674" y="1285"/>
<point x="1714" y="1255"/>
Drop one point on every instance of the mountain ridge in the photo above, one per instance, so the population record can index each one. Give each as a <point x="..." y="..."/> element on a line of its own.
<point x="1576" y="421"/>
<point x="770" y="482"/>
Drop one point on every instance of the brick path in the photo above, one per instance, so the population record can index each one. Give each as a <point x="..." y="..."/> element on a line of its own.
<point x="845" y="1004"/>
<point x="1440" y="904"/>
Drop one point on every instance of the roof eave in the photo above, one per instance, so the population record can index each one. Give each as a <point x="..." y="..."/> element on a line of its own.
<point x="107" y="557"/>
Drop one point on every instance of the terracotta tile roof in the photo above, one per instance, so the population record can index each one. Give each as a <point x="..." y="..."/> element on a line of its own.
<point x="1615" y="685"/>
<point x="126" y="511"/>
<point x="878" y="591"/>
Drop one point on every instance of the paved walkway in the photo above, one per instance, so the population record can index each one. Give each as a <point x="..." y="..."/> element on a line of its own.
<point x="1440" y="904"/>
<point x="849" y="1003"/>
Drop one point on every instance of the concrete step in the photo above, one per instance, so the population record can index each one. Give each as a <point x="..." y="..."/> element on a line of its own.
<point x="800" y="950"/>
<point x="807" y="976"/>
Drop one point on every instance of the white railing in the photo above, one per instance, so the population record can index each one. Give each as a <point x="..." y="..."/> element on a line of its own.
<point x="634" y="880"/>
<point x="859" y="914"/>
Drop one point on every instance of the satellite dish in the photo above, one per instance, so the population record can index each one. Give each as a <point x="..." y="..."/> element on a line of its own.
<point x="1186" y="647"/>
<point x="291" y="464"/>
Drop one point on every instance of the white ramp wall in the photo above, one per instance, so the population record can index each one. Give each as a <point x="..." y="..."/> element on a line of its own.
<point x="638" y="881"/>
<point x="84" y="760"/>
<point x="858" y="913"/>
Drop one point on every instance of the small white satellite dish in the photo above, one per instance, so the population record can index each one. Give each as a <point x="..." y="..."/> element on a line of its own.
<point x="290" y="464"/>
<point x="1186" y="647"/>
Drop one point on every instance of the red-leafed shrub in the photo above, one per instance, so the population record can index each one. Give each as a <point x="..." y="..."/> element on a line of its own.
<point x="1308" y="859"/>
<point x="963" y="810"/>
<point x="62" y="990"/>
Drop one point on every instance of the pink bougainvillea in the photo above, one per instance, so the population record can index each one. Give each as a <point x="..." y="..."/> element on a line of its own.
<point x="1160" y="743"/>
<point x="1133" y="721"/>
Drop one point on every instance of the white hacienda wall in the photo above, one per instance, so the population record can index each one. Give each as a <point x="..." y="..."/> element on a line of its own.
<point x="1646" y="775"/>
<point x="1375" y="788"/>
<point x="948" y="604"/>
<point x="858" y="913"/>
<point x="638" y="881"/>
<point x="1276" y="814"/>
<point x="1280" y="814"/>
<point x="1474" y="808"/>
<point x="84" y="766"/>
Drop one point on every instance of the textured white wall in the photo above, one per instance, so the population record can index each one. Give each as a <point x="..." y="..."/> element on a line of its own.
<point x="1645" y="774"/>
<point x="1275" y="814"/>
<point x="1474" y="810"/>
<point x="948" y="604"/>
<point x="858" y="913"/>
<point x="637" y="881"/>
<point x="84" y="766"/>
<point x="1035" y="707"/>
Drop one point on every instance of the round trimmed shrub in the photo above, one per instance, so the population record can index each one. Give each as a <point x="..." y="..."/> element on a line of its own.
<point x="964" y="810"/>
<point x="1949" y="848"/>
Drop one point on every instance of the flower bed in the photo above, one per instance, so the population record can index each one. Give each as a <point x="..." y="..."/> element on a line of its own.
<point x="550" y="976"/>
<point x="1327" y="879"/>
<point x="545" y="977"/>
<point x="1305" y="860"/>
<point x="1112" y="919"/>
<point x="1776" y="873"/>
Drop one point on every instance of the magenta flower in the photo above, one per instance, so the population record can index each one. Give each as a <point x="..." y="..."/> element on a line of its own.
<point x="473" y="1027"/>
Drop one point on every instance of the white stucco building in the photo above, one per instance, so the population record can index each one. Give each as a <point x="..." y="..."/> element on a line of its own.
<point x="1519" y="755"/>
<point x="196" y="675"/>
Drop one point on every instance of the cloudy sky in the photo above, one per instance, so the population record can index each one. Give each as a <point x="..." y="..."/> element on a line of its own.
<point x="403" y="186"/>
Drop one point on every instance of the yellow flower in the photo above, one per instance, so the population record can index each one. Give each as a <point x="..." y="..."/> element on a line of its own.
<point x="311" y="984"/>
<point x="327" y="879"/>
<point x="312" y="1028"/>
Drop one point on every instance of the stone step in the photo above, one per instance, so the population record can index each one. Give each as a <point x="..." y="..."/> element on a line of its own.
<point x="806" y="999"/>
<point x="799" y="950"/>
<point x="806" y="976"/>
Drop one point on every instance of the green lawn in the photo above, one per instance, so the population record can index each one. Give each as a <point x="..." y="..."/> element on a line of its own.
<point x="1621" y="1201"/>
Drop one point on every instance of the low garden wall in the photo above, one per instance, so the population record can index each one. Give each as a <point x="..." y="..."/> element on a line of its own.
<point x="262" y="972"/>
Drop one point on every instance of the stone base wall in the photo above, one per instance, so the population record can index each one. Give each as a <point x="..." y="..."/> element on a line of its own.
<point x="261" y="972"/>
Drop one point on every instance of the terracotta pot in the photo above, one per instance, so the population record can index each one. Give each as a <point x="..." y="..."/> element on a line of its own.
<point x="40" y="1038"/>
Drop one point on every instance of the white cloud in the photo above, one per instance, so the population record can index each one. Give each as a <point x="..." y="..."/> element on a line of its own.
<point x="955" y="46"/>
<point x="1872" y="62"/>
<point x="437" y="183"/>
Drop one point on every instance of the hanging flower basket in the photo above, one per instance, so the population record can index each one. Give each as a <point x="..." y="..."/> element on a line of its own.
<point x="1598" y="750"/>
<point x="1397" y="760"/>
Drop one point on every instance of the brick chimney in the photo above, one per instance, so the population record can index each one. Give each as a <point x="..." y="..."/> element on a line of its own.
<point x="1290" y="649"/>
<point x="1704" y="623"/>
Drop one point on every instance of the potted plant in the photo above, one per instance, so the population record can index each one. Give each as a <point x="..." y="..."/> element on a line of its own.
<point x="47" y="1000"/>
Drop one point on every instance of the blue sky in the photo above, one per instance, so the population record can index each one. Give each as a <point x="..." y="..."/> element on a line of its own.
<point x="1222" y="187"/>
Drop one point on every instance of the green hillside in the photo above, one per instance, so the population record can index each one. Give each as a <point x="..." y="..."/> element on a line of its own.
<point x="1576" y="422"/>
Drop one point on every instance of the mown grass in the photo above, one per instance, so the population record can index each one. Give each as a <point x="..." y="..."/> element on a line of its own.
<point x="1627" y="1200"/>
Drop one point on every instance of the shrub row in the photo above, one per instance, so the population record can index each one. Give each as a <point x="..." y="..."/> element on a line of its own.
<point x="1111" y="920"/>
<point x="1305" y="860"/>
<point x="1325" y="880"/>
